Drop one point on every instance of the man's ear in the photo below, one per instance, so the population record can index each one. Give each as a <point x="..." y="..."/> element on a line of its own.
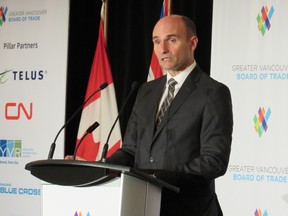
<point x="193" y="42"/>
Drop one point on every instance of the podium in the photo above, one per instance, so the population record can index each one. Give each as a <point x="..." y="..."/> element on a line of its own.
<point x="74" y="188"/>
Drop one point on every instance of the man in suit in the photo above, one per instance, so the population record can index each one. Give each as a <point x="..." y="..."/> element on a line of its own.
<point x="191" y="144"/>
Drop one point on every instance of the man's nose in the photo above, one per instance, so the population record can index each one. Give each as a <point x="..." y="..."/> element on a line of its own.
<point x="164" y="47"/>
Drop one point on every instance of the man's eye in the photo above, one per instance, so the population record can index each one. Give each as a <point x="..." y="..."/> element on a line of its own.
<point x="172" y="40"/>
<point x="156" y="42"/>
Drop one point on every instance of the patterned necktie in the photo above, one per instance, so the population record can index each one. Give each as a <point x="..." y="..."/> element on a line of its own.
<point x="168" y="99"/>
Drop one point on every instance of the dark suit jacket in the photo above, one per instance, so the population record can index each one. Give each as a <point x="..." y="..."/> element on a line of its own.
<point x="190" y="147"/>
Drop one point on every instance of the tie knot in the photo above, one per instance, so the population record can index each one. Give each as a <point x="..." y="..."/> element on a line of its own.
<point x="172" y="82"/>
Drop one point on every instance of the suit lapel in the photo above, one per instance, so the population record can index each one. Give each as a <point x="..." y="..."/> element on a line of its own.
<point x="186" y="89"/>
<point x="153" y="106"/>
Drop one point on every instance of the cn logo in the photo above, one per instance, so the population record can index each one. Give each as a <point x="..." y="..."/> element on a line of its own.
<point x="14" y="111"/>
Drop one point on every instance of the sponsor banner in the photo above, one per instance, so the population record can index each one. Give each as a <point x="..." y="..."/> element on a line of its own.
<point x="249" y="55"/>
<point x="33" y="53"/>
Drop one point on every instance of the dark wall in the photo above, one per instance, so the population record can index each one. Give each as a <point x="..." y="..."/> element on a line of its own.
<point x="130" y="25"/>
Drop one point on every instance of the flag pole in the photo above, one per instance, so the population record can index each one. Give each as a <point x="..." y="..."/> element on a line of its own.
<point x="170" y="7"/>
<point x="105" y="19"/>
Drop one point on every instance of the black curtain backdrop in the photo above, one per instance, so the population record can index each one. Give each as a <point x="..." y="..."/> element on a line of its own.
<point x="130" y="25"/>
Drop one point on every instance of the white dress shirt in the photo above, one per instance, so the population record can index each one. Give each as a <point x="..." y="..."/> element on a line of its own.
<point x="179" y="78"/>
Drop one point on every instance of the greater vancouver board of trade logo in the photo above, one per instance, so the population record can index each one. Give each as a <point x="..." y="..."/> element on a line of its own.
<point x="261" y="120"/>
<point x="264" y="19"/>
<point x="3" y="13"/>
<point x="259" y="212"/>
<point x="80" y="214"/>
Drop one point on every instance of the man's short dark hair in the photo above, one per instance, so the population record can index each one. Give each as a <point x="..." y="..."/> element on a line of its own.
<point x="190" y="26"/>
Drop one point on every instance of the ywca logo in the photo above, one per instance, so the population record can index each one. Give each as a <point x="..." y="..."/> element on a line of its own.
<point x="261" y="120"/>
<point x="258" y="212"/>
<point x="10" y="148"/>
<point x="3" y="12"/>
<point x="80" y="214"/>
<point x="264" y="19"/>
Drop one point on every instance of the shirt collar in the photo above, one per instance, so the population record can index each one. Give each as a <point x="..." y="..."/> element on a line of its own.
<point x="180" y="77"/>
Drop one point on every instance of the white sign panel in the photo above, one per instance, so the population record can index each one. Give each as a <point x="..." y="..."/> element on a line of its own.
<point x="33" y="62"/>
<point x="249" y="54"/>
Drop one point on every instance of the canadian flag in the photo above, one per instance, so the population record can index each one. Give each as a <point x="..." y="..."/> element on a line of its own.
<point x="102" y="107"/>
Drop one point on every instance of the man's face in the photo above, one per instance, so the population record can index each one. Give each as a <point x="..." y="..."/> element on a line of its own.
<point x="174" y="50"/>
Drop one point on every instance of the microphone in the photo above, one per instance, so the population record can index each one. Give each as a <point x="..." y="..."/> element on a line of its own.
<point x="53" y="145"/>
<point x="88" y="131"/>
<point x="105" y="147"/>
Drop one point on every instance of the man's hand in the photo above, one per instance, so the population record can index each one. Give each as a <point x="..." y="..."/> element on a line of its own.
<point x="70" y="157"/>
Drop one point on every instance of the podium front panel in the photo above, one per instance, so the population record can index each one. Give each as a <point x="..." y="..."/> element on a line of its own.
<point x="86" y="201"/>
<point x="123" y="196"/>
